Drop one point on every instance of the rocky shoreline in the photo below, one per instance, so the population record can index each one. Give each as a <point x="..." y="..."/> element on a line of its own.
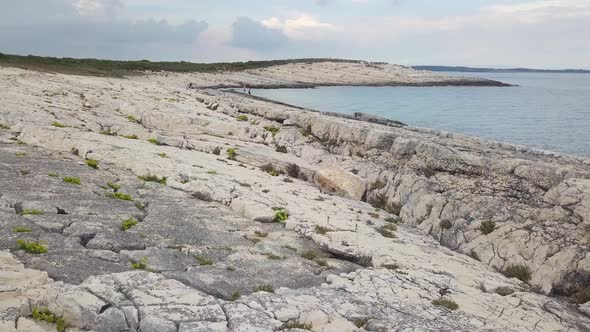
<point x="139" y="205"/>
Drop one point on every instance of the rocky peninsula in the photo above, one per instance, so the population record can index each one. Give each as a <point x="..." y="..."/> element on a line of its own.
<point x="139" y="204"/>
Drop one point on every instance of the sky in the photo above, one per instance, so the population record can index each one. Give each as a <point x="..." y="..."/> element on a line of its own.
<point x="490" y="33"/>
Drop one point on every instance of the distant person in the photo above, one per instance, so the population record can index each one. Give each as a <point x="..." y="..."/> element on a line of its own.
<point x="244" y="87"/>
<point x="250" y="91"/>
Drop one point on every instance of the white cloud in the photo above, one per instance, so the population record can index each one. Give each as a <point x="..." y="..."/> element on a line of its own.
<point x="302" y="26"/>
<point x="96" y="7"/>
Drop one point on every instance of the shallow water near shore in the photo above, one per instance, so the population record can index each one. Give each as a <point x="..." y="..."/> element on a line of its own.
<point x="545" y="111"/>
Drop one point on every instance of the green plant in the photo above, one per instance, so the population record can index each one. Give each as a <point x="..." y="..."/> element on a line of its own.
<point x="280" y="215"/>
<point x="296" y="325"/>
<point x="373" y="215"/>
<point x="31" y="247"/>
<point x="42" y="314"/>
<point x="129" y="136"/>
<point x="321" y="230"/>
<point x="58" y="125"/>
<point x="212" y="172"/>
<point x="163" y="155"/>
<point x="321" y="262"/>
<point x="32" y="212"/>
<point x="387" y="230"/>
<point x="3" y="126"/>
<point x="121" y="196"/>
<point x="310" y="254"/>
<point x="133" y="119"/>
<point x="232" y="153"/>
<point x="272" y="129"/>
<point x="261" y="234"/>
<point x="154" y="141"/>
<point x="127" y="224"/>
<point x="20" y="154"/>
<point x="264" y="288"/>
<point x="72" y="180"/>
<point x="242" y="117"/>
<point x="140" y="265"/>
<point x="273" y="256"/>
<point x="281" y="149"/>
<point x="21" y="230"/>
<point x="53" y="175"/>
<point x="446" y="224"/>
<point x="92" y="163"/>
<point x="114" y="186"/>
<point x="293" y="170"/>
<point x="270" y="169"/>
<point x="108" y="132"/>
<point x="487" y="227"/>
<point x="203" y="260"/>
<point x="520" y="272"/>
<point x="235" y="296"/>
<point x="153" y="178"/>
<point x="447" y="303"/>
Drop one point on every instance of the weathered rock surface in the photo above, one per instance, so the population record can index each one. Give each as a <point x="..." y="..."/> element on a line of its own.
<point x="207" y="233"/>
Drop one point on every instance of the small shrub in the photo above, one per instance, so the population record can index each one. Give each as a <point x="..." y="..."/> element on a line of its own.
<point x="203" y="260"/>
<point x="31" y="247"/>
<point x="154" y="141"/>
<point x="185" y="181"/>
<point x="3" y="126"/>
<point x="21" y="230"/>
<point x="487" y="227"/>
<point x="264" y="288"/>
<point x="44" y="315"/>
<point x="261" y="234"/>
<point x="520" y="272"/>
<point x="235" y="296"/>
<point x="310" y="254"/>
<point x="446" y="224"/>
<point x="281" y="215"/>
<point x="72" y="180"/>
<point x="53" y="175"/>
<point x="133" y="119"/>
<point x="129" y="136"/>
<point x="293" y="170"/>
<point x="58" y="125"/>
<point x="163" y="155"/>
<point x="153" y="178"/>
<point x="273" y="256"/>
<point x="307" y="131"/>
<point x="272" y="129"/>
<point x="108" y="132"/>
<point x="92" y="163"/>
<point x="242" y="117"/>
<point x="217" y="151"/>
<point x="32" y="212"/>
<point x="281" y="149"/>
<point x="270" y="169"/>
<point x="212" y="172"/>
<point x="232" y="153"/>
<point x="128" y="224"/>
<point x="121" y="196"/>
<point x="114" y="186"/>
<point x="140" y="265"/>
<point x="387" y="230"/>
<point x="296" y="325"/>
<point x="321" y="262"/>
<point x="504" y="291"/>
<point x="321" y="230"/>
<point x="447" y="303"/>
<point x="373" y="215"/>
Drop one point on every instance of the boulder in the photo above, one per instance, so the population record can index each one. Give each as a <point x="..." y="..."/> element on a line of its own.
<point x="337" y="180"/>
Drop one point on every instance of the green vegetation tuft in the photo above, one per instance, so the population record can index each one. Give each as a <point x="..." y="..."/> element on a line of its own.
<point x="140" y="265"/>
<point x="520" y="272"/>
<point x="154" y="141"/>
<point x="235" y="296"/>
<point x="296" y="325"/>
<point x="20" y="154"/>
<point x="321" y="230"/>
<point x="127" y="224"/>
<point x="31" y="247"/>
<point x="58" y="124"/>
<point x="310" y="254"/>
<point x="387" y="230"/>
<point x="163" y="155"/>
<point x="264" y="288"/>
<point x="153" y="178"/>
<point x="212" y="172"/>
<point x="129" y="136"/>
<point x="92" y="163"/>
<point x="242" y="117"/>
<point x="487" y="227"/>
<point x="447" y="303"/>
<point x="108" y="132"/>
<point x="44" y="315"/>
<point x="281" y="215"/>
<point x="260" y="234"/>
<point x="232" y="153"/>
<point x="203" y="260"/>
<point x="32" y="212"/>
<point x="114" y="186"/>
<point x="53" y="175"/>
<point x="270" y="169"/>
<point x="121" y="196"/>
<point x="133" y="119"/>
<point x="272" y="129"/>
<point x="21" y="230"/>
<point x="72" y="180"/>
<point x="3" y="126"/>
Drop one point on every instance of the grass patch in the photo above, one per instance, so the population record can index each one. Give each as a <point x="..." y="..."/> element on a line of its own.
<point x="121" y="196"/>
<point x="232" y="153"/>
<point x="264" y="288"/>
<point x="129" y="136"/>
<point x="140" y="265"/>
<point x="32" y="212"/>
<point x="487" y="227"/>
<point x="296" y="325"/>
<point x="127" y="224"/>
<point x="235" y="296"/>
<point x="203" y="260"/>
<point x="114" y="186"/>
<point x="272" y="129"/>
<point x="518" y="271"/>
<point x="72" y="180"/>
<point x="53" y="175"/>
<point x="270" y="169"/>
<point x="21" y="230"/>
<point x="273" y="256"/>
<point x="31" y="247"/>
<point x="446" y="303"/>
<point x="133" y="119"/>
<point x="153" y="178"/>
<point x="163" y="155"/>
<point x="281" y="215"/>
<point x="58" y="125"/>
<point x="242" y="117"/>
<point x="310" y="254"/>
<point x="387" y="230"/>
<point x="44" y="315"/>
<point x="108" y="132"/>
<point x="20" y="154"/>
<point x="212" y="172"/>
<point x="261" y="234"/>
<point x="154" y="141"/>
<point x="92" y="163"/>
<point x="3" y="126"/>
<point x="321" y="230"/>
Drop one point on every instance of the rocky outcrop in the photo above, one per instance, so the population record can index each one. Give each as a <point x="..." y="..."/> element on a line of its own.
<point x="171" y="210"/>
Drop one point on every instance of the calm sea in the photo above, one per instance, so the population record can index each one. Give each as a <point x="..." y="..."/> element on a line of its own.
<point x="546" y="111"/>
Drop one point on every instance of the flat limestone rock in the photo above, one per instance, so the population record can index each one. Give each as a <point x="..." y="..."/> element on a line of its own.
<point x="337" y="180"/>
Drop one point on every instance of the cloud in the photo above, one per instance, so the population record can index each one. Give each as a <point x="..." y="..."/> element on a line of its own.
<point x="96" y="7"/>
<point x="303" y="26"/>
<point x="251" y="34"/>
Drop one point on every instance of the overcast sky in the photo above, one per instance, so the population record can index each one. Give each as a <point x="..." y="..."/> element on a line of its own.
<point x="501" y="33"/>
